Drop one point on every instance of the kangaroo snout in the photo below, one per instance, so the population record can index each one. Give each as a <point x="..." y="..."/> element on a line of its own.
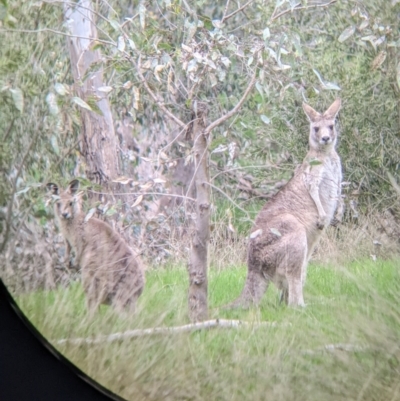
<point x="65" y="215"/>
<point x="326" y="139"/>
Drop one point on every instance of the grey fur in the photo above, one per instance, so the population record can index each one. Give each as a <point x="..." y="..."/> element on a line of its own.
<point x="111" y="272"/>
<point x="288" y="227"/>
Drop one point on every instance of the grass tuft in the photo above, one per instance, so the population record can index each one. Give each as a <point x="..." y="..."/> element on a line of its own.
<point x="344" y="345"/>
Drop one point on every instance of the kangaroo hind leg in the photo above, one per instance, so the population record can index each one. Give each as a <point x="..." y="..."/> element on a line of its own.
<point x="254" y="288"/>
<point x="294" y="263"/>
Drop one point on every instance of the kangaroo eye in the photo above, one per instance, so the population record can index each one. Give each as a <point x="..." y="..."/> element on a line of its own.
<point x="316" y="129"/>
<point x="331" y="127"/>
<point x="70" y="203"/>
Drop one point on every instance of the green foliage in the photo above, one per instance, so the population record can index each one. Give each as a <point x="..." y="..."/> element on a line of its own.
<point x="305" y="54"/>
<point x="37" y="125"/>
<point x="311" y="54"/>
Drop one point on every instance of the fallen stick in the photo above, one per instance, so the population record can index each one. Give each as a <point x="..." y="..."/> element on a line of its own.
<point x="208" y="324"/>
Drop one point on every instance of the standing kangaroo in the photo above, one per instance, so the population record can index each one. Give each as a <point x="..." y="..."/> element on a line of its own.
<point x="111" y="272"/>
<point x="288" y="227"/>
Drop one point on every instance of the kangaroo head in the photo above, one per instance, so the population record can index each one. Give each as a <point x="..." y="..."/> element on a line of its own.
<point x="323" y="133"/>
<point x="67" y="204"/>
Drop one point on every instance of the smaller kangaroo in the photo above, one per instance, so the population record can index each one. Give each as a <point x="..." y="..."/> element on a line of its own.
<point x="288" y="227"/>
<point x="111" y="273"/>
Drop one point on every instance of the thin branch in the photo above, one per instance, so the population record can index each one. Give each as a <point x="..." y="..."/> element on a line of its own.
<point x="146" y="194"/>
<point x="171" y="142"/>
<point x="158" y="102"/>
<point x="128" y="20"/>
<point x="226" y="10"/>
<point x="190" y="10"/>
<point x="106" y="42"/>
<point x="9" y="130"/>
<point x="232" y="112"/>
<point x="291" y="10"/>
<point x="225" y="17"/>
<point x="208" y="324"/>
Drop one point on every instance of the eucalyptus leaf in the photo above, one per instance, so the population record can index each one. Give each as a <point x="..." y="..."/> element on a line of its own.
<point x="54" y="144"/>
<point x="121" y="43"/>
<point x="51" y="101"/>
<point x="225" y="61"/>
<point x="81" y="103"/>
<point x="213" y="80"/>
<point x="105" y="89"/>
<point x="115" y="25"/>
<point x="265" y="119"/>
<point x="380" y="40"/>
<point x="326" y="84"/>
<point x="61" y="89"/>
<point x="18" y="98"/>
<point x="131" y="44"/>
<point x="210" y="63"/>
<point x="346" y="34"/>
<point x="363" y="25"/>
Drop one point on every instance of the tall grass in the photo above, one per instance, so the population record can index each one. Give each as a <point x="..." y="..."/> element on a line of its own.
<point x="356" y="306"/>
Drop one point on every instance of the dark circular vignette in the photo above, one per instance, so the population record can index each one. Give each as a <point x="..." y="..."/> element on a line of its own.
<point x="32" y="369"/>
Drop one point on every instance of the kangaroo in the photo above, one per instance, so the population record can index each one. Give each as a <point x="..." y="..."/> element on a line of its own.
<point x="288" y="227"/>
<point x="111" y="272"/>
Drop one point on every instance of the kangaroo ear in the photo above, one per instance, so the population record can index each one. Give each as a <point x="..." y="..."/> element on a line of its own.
<point x="334" y="108"/>
<point x="312" y="115"/>
<point x="73" y="187"/>
<point x="53" y="188"/>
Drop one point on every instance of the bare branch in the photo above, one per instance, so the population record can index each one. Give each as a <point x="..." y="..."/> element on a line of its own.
<point x="208" y="324"/>
<point x="187" y="198"/>
<point x="296" y="8"/>
<point x="226" y="9"/>
<point x="8" y="132"/>
<point x="106" y="42"/>
<point x="158" y="101"/>
<point x="225" y="17"/>
<point x="190" y="10"/>
<point x="232" y="112"/>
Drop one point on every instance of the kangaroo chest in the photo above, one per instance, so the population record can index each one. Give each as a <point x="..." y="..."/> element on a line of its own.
<point x="329" y="188"/>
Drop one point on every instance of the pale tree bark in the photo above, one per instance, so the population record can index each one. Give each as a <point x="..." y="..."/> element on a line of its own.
<point x="99" y="142"/>
<point x="198" y="259"/>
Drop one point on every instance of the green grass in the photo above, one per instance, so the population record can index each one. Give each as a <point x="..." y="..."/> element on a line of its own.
<point x="357" y="304"/>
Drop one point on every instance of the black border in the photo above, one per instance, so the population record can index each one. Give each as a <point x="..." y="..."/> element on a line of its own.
<point x="32" y="369"/>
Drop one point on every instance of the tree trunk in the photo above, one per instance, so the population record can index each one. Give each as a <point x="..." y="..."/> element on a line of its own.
<point x="197" y="267"/>
<point x="99" y="142"/>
